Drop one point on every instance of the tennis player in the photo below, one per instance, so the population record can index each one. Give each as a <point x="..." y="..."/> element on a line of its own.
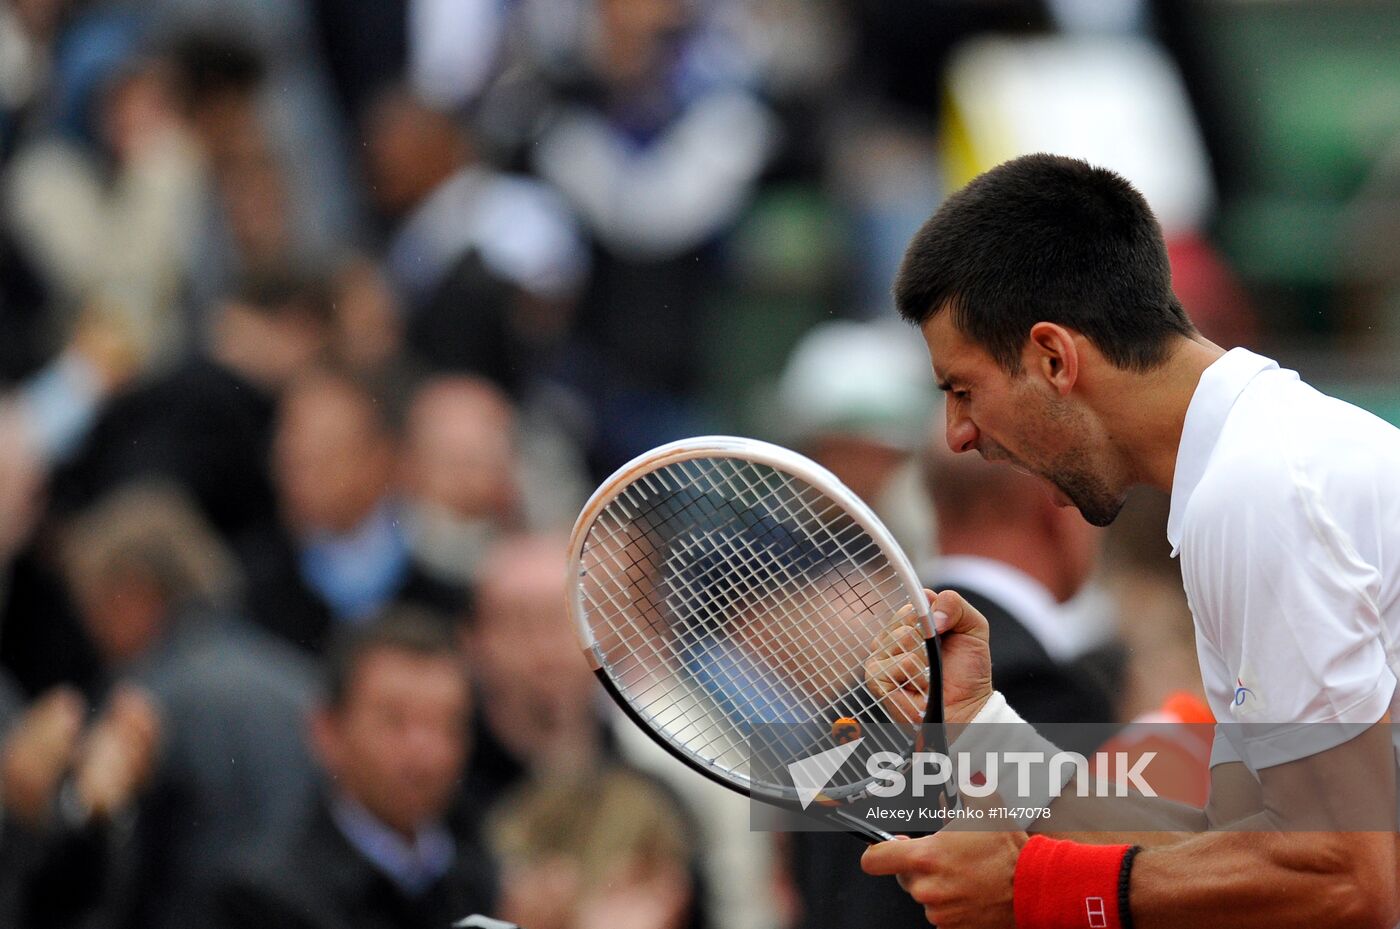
<point x="1044" y="294"/>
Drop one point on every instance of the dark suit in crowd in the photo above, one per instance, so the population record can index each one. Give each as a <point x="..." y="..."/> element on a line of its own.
<point x="323" y="881"/>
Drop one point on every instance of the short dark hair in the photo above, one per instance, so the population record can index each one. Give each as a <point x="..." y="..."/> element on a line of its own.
<point x="1046" y="238"/>
<point x="400" y="628"/>
<point x="213" y="64"/>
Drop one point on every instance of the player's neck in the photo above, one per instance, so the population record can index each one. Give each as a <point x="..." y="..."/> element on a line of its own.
<point x="1153" y="411"/>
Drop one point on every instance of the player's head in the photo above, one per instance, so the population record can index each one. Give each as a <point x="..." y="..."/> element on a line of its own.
<point x="1033" y="274"/>
<point x="393" y="730"/>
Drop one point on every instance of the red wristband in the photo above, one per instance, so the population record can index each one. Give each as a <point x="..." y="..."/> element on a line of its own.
<point x="1066" y="885"/>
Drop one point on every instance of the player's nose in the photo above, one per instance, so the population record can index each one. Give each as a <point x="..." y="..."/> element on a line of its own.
<point x="961" y="433"/>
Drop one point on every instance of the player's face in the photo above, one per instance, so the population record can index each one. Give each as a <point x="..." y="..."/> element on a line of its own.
<point x="1022" y="420"/>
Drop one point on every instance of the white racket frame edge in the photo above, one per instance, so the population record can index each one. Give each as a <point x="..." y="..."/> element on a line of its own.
<point x="759" y="452"/>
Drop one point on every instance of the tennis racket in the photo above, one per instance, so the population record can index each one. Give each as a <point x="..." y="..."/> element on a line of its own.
<point x="729" y="595"/>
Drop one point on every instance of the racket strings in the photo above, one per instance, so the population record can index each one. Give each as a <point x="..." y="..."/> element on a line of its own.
<point x="810" y="642"/>
<point x="725" y="594"/>
<point x="813" y="647"/>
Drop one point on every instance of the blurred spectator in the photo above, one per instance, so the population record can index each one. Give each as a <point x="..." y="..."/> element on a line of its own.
<point x="206" y="425"/>
<point x="476" y="468"/>
<point x="40" y="744"/>
<point x="537" y="702"/>
<point x="292" y="127"/>
<point x="345" y="555"/>
<point x="461" y="473"/>
<point x="110" y="226"/>
<point x="605" y="852"/>
<point x="446" y="50"/>
<point x="265" y="212"/>
<point x="27" y="31"/>
<point x="854" y="397"/>
<point x="155" y="586"/>
<point x="643" y="119"/>
<point x="642" y="98"/>
<point x="486" y="264"/>
<point x="541" y="717"/>
<point x="391" y="739"/>
<point x="64" y="790"/>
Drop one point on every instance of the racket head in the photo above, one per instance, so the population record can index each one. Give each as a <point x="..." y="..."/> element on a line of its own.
<point x="727" y="592"/>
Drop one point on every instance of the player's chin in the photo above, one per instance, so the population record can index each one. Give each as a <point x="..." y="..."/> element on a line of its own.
<point x="1097" y="511"/>
<point x="1100" y="514"/>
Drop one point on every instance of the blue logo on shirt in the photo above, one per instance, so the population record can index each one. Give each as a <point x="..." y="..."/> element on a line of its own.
<point x="1241" y="692"/>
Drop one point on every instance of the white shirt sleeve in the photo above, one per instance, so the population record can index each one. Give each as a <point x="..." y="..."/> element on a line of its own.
<point x="1218" y="683"/>
<point x="1290" y="608"/>
<point x="1222" y="750"/>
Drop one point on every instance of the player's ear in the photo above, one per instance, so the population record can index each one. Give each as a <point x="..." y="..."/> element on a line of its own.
<point x="1053" y="354"/>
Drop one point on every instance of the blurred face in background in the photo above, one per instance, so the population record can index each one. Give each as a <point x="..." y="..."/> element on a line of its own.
<point x="137" y="112"/>
<point x="397" y="742"/>
<point x="537" y="691"/>
<point x="459" y="475"/>
<point x="333" y="457"/>
<point x="123" y="612"/>
<point x="459" y="450"/>
<point x="267" y="346"/>
<point x="637" y="36"/>
<point x="410" y="149"/>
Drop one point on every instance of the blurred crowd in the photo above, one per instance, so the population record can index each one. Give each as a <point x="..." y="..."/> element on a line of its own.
<point x="319" y="319"/>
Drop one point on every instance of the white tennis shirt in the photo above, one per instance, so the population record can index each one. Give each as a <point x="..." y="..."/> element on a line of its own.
<point x="1285" y="512"/>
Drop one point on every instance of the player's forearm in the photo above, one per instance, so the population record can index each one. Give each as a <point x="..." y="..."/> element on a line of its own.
<point x="1241" y="880"/>
<point x="1119" y="819"/>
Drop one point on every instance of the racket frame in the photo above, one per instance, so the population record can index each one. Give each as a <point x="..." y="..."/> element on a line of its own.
<point x="795" y="465"/>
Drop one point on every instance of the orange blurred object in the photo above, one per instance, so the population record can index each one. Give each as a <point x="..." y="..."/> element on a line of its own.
<point x="1181" y="733"/>
<point x="845" y="730"/>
